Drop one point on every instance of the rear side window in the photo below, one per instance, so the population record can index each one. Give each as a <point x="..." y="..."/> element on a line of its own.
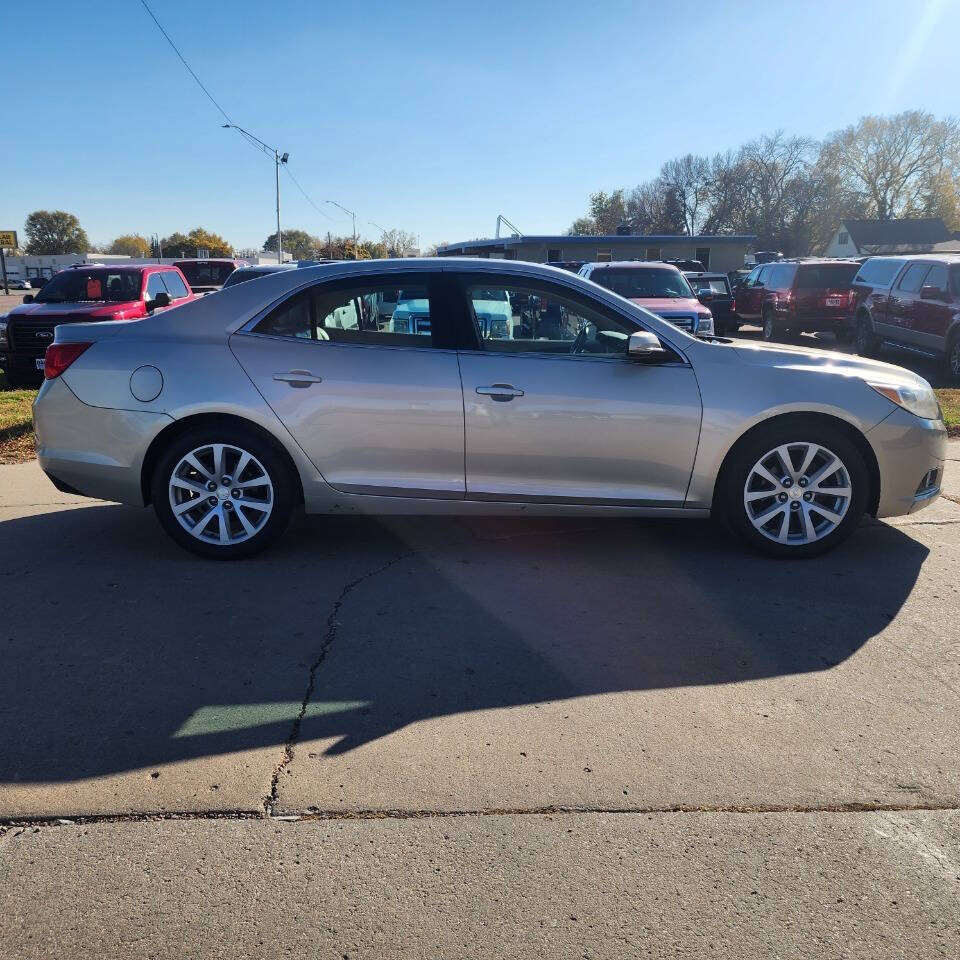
<point x="175" y="285"/>
<point x="955" y="279"/>
<point x="779" y="277"/>
<point x="937" y="277"/>
<point x="912" y="279"/>
<point x="357" y="314"/>
<point x="825" y="276"/>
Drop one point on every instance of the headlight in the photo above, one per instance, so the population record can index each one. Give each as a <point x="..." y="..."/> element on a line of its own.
<point x="705" y="325"/>
<point x="920" y="401"/>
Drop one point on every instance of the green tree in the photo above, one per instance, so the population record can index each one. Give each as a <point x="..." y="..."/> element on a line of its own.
<point x="51" y="232"/>
<point x="186" y="245"/>
<point x="130" y="244"/>
<point x="298" y="243"/>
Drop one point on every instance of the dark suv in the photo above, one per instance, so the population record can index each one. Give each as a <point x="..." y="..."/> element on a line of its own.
<point x="912" y="303"/>
<point x="791" y="297"/>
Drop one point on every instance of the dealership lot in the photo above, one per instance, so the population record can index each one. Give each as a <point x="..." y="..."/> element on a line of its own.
<point x="682" y="731"/>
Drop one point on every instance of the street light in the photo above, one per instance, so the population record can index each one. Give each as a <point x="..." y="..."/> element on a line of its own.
<point x="383" y="233"/>
<point x="278" y="158"/>
<point x="352" y="214"/>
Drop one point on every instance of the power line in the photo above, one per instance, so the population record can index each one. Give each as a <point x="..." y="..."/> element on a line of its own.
<point x="306" y="196"/>
<point x="210" y="96"/>
<point x="256" y="144"/>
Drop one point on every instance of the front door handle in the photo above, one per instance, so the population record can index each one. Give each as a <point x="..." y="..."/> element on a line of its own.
<point x="298" y="378"/>
<point x="501" y="392"/>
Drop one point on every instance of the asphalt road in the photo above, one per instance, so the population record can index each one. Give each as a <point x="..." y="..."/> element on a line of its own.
<point x="494" y="738"/>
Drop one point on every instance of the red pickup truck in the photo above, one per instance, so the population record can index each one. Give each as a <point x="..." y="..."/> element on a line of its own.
<point x="83" y="294"/>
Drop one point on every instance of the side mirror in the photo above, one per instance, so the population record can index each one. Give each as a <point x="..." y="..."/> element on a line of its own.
<point x="161" y="300"/>
<point x="28" y="298"/>
<point x="645" y="347"/>
<point x="932" y="293"/>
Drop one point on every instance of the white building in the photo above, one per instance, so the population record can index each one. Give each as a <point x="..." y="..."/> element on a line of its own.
<point x="863" y="238"/>
<point x="29" y="266"/>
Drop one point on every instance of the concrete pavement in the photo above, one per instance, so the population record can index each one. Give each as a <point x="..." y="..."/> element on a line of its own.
<point x="419" y="691"/>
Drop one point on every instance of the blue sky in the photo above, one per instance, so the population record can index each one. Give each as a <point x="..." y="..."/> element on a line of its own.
<point x="431" y="117"/>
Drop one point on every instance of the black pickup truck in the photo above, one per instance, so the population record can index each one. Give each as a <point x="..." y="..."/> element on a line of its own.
<point x="713" y="291"/>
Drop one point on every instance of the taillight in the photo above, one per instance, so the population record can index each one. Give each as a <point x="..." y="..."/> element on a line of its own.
<point x="733" y="306"/>
<point x="59" y="356"/>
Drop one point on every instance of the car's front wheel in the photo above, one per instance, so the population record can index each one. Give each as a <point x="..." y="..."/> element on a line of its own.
<point x="795" y="489"/>
<point x="223" y="493"/>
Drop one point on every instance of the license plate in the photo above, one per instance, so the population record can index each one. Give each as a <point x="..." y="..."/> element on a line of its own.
<point x="834" y="301"/>
<point x="40" y="364"/>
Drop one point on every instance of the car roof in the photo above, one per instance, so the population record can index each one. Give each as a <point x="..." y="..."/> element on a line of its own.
<point x="931" y="257"/>
<point x="634" y="263"/>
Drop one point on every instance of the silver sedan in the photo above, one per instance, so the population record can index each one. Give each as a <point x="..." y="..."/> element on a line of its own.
<point x="299" y="388"/>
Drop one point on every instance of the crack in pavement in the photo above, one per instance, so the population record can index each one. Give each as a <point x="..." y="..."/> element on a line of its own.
<point x="270" y="801"/>
<point x="314" y="814"/>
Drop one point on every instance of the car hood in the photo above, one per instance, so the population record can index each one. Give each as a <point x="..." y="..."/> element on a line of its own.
<point x="668" y="305"/>
<point x="824" y="361"/>
<point x="40" y="310"/>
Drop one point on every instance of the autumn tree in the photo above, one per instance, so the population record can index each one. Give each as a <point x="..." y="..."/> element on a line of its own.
<point x="52" y="232"/>
<point x="131" y="245"/>
<point x="186" y="245"/>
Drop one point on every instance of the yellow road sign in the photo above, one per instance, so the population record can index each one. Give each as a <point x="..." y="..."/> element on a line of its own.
<point x="8" y="238"/>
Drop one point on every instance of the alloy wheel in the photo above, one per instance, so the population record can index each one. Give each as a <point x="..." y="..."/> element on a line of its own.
<point x="797" y="493"/>
<point x="221" y="494"/>
<point x="955" y="358"/>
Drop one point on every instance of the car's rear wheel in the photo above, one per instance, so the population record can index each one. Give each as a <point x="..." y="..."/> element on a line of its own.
<point x="771" y="331"/>
<point x="223" y="493"/>
<point x="795" y="489"/>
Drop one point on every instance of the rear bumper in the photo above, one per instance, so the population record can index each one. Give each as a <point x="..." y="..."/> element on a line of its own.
<point x="907" y="450"/>
<point x="93" y="451"/>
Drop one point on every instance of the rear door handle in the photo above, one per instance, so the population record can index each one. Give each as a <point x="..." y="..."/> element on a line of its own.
<point x="501" y="392"/>
<point x="298" y="378"/>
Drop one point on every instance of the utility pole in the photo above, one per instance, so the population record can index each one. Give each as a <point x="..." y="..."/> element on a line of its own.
<point x="383" y="234"/>
<point x="354" y="216"/>
<point x="278" y="158"/>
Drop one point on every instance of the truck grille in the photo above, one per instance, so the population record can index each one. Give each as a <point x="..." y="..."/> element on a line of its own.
<point x="24" y="337"/>
<point x="685" y="321"/>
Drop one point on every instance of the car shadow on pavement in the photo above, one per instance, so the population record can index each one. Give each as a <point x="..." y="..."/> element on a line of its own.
<point x="121" y="652"/>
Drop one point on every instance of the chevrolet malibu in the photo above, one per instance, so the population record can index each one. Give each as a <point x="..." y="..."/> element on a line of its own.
<point x="229" y="411"/>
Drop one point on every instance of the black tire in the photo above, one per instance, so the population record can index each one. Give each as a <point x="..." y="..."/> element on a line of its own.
<point x="771" y="332"/>
<point x="866" y="343"/>
<point x="274" y="465"/>
<point x="736" y="471"/>
<point x="951" y="359"/>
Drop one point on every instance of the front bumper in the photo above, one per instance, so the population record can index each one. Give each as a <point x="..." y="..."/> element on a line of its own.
<point x="93" y="451"/>
<point x="25" y="366"/>
<point x="907" y="450"/>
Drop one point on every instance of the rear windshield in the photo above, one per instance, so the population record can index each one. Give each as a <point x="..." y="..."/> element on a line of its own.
<point x="92" y="286"/>
<point x="205" y="273"/>
<point x="642" y="282"/>
<point x="714" y="284"/>
<point x="826" y="276"/>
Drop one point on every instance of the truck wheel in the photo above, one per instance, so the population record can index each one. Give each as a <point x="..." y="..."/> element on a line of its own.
<point x="769" y="326"/>
<point x="867" y="344"/>
<point x="952" y="358"/>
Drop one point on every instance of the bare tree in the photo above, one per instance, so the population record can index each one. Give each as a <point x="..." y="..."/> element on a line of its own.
<point x="688" y="178"/>
<point x="895" y="163"/>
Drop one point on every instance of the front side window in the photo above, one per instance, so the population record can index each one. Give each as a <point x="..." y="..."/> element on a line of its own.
<point x="154" y="286"/>
<point x="955" y="279"/>
<point x="175" y="285"/>
<point x="519" y="318"/>
<point x="389" y="313"/>
<point x="878" y="271"/>
<point x="761" y="278"/>
<point x="912" y="279"/>
<point x="92" y="286"/>
<point x="638" y="283"/>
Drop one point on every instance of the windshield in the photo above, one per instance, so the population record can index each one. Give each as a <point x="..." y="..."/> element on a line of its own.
<point x="827" y="275"/>
<point x="92" y="286"/>
<point x="642" y="282"/>
<point x="489" y="295"/>
<point x="411" y="295"/>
